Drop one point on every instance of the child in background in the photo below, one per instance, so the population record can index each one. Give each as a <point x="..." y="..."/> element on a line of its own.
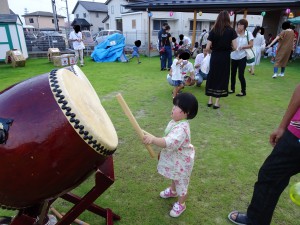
<point x="176" y="159"/>
<point x="175" y="45"/>
<point x="135" y="52"/>
<point x="175" y="72"/>
<point x="202" y="67"/>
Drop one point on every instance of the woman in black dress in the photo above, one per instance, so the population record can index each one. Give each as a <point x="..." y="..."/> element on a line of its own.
<point x="221" y="40"/>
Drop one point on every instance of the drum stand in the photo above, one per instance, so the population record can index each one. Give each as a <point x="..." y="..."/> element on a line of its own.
<point x="104" y="178"/>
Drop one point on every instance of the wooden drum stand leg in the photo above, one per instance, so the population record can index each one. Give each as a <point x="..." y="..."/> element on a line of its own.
<point x="104" y="178"/>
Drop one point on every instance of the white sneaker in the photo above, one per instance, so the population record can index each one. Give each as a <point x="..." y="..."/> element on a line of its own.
<point x="275" y="75"/>
<point x="177" y="209"/>
<point x="281" y="75"/>
<point x="168" y="193"/>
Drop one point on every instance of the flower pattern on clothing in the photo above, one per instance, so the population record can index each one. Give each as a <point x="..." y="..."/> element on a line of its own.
<point x="177" y="159"/>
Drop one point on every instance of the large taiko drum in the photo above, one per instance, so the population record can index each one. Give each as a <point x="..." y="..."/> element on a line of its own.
<point x="54" y="133"/>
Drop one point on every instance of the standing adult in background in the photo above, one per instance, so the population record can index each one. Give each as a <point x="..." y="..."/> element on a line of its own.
<point x="259" y="45"/>
<point x="186" y="41"/>
<point x="285" y="46"/>
<point x="221" y="40"/>
<point x="166" y="56"/>
<point x="203" y="39"/>
<point x="239" y="58"/>
<point x="76" y="38"/>
<point x="275" y="173"/>
<point x="159" y="35"/>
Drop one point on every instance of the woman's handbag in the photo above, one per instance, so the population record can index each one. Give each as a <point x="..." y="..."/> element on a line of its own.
<point x="250" y="53"/>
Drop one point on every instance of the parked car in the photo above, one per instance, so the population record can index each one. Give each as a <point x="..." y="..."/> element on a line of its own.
<point x="30" y="40"/>
<point x="103" y="34"/>
<point x="50" y="39"/>
<point x="87" y="38"/>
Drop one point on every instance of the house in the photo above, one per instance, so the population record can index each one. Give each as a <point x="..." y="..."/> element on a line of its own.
<point x="93" y="12"/>
<point x="11" y="30"/>
<point x="43" y="20"/>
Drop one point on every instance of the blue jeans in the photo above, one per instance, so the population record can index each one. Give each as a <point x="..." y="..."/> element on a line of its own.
<point x="166" y="56"/>
<point x="200" y="77"/>
<point x="273" y="178"/>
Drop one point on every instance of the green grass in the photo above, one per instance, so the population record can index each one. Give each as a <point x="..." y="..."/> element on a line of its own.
<point x="231" y="143"/>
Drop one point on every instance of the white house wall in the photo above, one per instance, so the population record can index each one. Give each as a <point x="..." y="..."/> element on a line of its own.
<point x="115" y="11"/>
<point x="97" y="21"/>
<point x="18" y="39"/>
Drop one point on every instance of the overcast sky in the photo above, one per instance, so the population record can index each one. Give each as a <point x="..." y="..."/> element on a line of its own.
<point x="18" y="6"/>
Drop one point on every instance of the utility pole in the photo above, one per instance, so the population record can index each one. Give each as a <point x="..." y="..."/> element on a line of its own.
<point x="68" y="28"/>
<point x="55" y="15"/>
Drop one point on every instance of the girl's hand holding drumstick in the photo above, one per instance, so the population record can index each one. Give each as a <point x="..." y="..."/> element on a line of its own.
<point x="134" y="123"/>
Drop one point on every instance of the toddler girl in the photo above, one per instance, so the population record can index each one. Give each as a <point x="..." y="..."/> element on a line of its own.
<point x="176" y="159"/>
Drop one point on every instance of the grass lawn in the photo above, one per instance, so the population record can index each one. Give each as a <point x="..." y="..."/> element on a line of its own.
<point x="231" y="143"/>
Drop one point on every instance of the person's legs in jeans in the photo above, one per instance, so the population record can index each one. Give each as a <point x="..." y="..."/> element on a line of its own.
<point x="242" y="67"/>
<point x="163" y="60"/>
<point x="234" y="66"/>
<point x="273" y="177"/>
<point x="199" y="79"/>
<point x="169" y="56"/>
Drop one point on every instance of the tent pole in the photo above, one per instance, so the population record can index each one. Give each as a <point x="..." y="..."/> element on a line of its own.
<point x="194" y="29"/>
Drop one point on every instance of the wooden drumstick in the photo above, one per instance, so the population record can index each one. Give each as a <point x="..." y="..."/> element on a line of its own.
<point x="134" y="123"/>
<point x="80" y="222"/>
<point x="56" y="213"/>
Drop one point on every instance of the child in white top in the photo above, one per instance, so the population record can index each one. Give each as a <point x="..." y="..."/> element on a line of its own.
<point x="176" y="159"/>
<point x="176" y="73"/>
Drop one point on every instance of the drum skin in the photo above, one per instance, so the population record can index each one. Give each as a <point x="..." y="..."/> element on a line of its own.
<point x="43" y="157"/>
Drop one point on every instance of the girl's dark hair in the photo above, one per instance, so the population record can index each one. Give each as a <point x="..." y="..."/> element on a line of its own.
<point x="137" y="43"/>
<point x="222" y="22"/>
<point x="173" y="39"/>
<point x="181" y="37"/>
<point x="255" y="31"/>
<point x="179" y="52"/>
<point x="243" y="22"/>
<point x="76" y="28"/>
<point x="286" y="25"/>
<point x="188" y="103"/>
<point x="180" y="43"/>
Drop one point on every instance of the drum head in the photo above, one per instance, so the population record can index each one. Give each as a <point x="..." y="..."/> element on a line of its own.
<point x="82" y="108"/>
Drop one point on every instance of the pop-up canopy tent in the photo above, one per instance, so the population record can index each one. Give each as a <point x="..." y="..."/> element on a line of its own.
<point x="110" y="50"/>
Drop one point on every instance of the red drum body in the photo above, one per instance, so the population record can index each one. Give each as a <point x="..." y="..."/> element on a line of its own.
<point x="54" y="140"/>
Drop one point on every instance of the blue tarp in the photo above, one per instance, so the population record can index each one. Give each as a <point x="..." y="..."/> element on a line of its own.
<point x="295" y="20"/>
<point x="110" y="50"/>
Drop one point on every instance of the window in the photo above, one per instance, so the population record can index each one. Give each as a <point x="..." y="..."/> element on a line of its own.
<point x="31" y="20"/>
<point x="157" y="24"/>
<point x="122" y="9"/>
<point x="53" y="20"/>
<point x="84" y="15"/>
<point x="97" y="15"/>
<point x="77" y="15"/>
<point x="198" y="25"/>
<point x="112" y="9"/>
<point x="133" y="24"/>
